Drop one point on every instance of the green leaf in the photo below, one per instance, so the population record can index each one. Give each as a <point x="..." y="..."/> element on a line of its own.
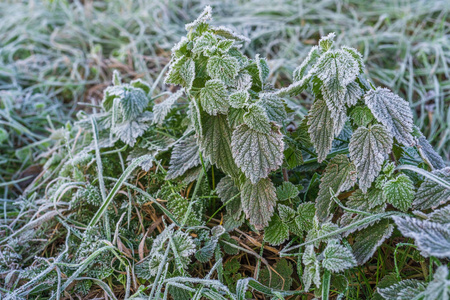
<point x="277" y="231"/>
<point x="305" y="66"/>
<point x="311" y="272"/>
<point x="206" y="253"/>
<point x="263" y="68"/>
<point x="305" y="217"/>
<point x="287" y="190"/>
<point x="352" y="94"/>
<point x="204" y="42"/>
<point x="441" y="216"/>
<point x="368" y="240"/>
<point x="236" y="116"/>
<point x="181" y="72"/>
<point x="368" y="149"/>
<point x="185" y="155"/>
<point x="339" y="175"/>
<point x="337" y="258"/>
<point x="258" y="201"/>
<point x="239" y="99"/>
<point x="214" y="97"/>
<point x="129" y="131"/>
<point x="215" y="143"/>
<point x="257" y="153"/>
<point x="429" y="154"/>
<point x="274" y="107"/>
<point x="399" y="192"/>
<point x="326" y="42"/>
<point x="431" y="194"/>
<point x="334" y="94"/>
<point x="282" y="279"/>
<point x="393" y="112"/>
<point x="223" y="68"/>
<point x="256" y="118"/>
<point x="431" y="238"/>
<point x="227" y="190"/>
<point x="404" y="290"/>
<point x="321" y="129"/>
<point x="162" y="109"/>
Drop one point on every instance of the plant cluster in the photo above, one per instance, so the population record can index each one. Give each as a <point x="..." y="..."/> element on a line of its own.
<point x="327" y="189"/>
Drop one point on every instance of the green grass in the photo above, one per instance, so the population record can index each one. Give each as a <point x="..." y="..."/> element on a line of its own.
<point x="56" y="58"/>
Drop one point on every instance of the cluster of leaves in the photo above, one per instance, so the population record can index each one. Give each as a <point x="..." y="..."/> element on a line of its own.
<point x="332" y="184"/>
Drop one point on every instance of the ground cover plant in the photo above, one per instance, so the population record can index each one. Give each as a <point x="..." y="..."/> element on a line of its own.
<point x="218" y="188"/>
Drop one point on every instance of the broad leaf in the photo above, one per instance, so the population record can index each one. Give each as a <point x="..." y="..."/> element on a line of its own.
<point x="404" y="290"/>
<point x="339" y="175"/>
<point x="257" y="153"/>
<point x="361" y="116"/>
<point x="227" y="190"/>
<point x="393" y="112"/>
<point x="431" y="194"/>
<point x="277" y="231"/>
<point x="441" y="216"/>
<point x="274" y="107"/>
<point x="301" y="71"/>
<point x="214" y="97"/>
<point x="429" y="154"/>
<point x="439" y="287"/>
<point x="181" y="72"/>
<point x="337" y="258"/>
<point x="129" y="131"/>
<point x="399" y="192"/>
<point x="311" y="272"/>
<point x="223" y="68"/>
<point x="256" y="118"/>
<point x="216" y="143"/>
<point x="352" y="94"/>
<point x="368" y="149"/>
<point x="239" y="99"/>
<point x="321" y="129"/>
<point x="258" y="201"/>
<point x="286" y="191"/>
<point x="431" y="238"/>
<point x="368" y="240"/>
<point x="304" y="219"/>
<point x="185" y="155"/>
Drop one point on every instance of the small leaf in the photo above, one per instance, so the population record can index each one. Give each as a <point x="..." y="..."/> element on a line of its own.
<point x="304" y="219"/>
<point x="431" y="238"/>
<point x="432" y="194"/>
<point x="204" y="42"/>
<point x="399" y="192"/>
<point x="326" y="42"/>
<point x="214" y="97"/>
<point x="368" y="240"/>
<point x="337" y="65"/>
<point x="129" y="131"/>
<point x="287" y="191"/>
<point x="274" y="107"/>
<point x="404" y="290"/>
<point x="162" y="109"/>
<point x="337" y="258"/>
<point x="339" y="175"/>
<point x="263" y="68"/>
<point x="352" y="94"/>
<point x="223" y="68"/>
<point x="206" y="253"/>
<point x="239" y="99"/>
<point x="257" y="153"/>
<point x="185" y="155"/>
<point x="393" y="112"/>
<point x="427" y="151"/>
<point x="227" y="190"/>
<point x="256" y="118"/>
<point x="258" y="201"/>
<point x="216" y="143"/>
<point x="181" y="72"/>
<point x="277" y="231"/>
<point x="311" y="272"/>
<point x="361" y="116"/>
<point x="301" y="71"/>
<point x="321" y="129"/>
<point x="368" y="149"/>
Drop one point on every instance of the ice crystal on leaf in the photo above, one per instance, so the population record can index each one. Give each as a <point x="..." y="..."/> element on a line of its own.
<point x="432" y="194"/>
<point x="258" y="201"/>
<point x="214" y="97"/>
<point x="321" y="129"/>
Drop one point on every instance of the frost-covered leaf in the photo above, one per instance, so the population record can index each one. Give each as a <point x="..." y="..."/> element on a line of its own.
<point x="204" y="42"/>
<point x="185" y="155"/>
<point x="337" y="65"/>
<point x="206" y="253"/>
<point x="215" y="143"/>
<point x="369" y="239"/>
<point x="337" y="258"/>
<point x="214" y="97"/>
<point x="305" y="66"/>
<point x="281" y="279"/>
<point x="239" y="99"/>
<point x="326" y="42"/>
<point x="162" y="109"/>
<point x="431" y="238"/>
<point x="321" y="129"/>
<point x="432" y="194"/>
<point x="227" y="190"/>
<point x="274" y="107"/>
<point x="138" y="152"/>
<point x="236" y="116"/>
<point x="441" y="216"/>
<point x="204" y="17"/>
<point x="393" y="112"/>
<point x="258" y="201"/>
<point x="256" y="118"/>
<point x="304" y="219"/>
<point x="277" y="231"/>
<point x="404" y="290"/>
<point x="286" y="191"/>
<point x="399" y="192"/>
<point x="311" y="272"/>
<point x="133" y="102"/>
<point x="320" y="230"/>
<point x="263" y="68"/>
<point x="356" y="56"/>
<point x="339" y="175"/>
<point x="181" y="72"/>
<point x="368" y="149"/>
<point x="243" y="81"/>
<point x="361" y="116"/>
<point x="288" y="215"/>
<point x="223" y="68"/>
<point x="427" y="151"/>
<point x="257" y="153"/>
<point x="129" y="131"/>
<point x="352" y="94"/>
<point x="334" y="95"/>
<point x="439" y="287"/>
<point x="229" y="34"/>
